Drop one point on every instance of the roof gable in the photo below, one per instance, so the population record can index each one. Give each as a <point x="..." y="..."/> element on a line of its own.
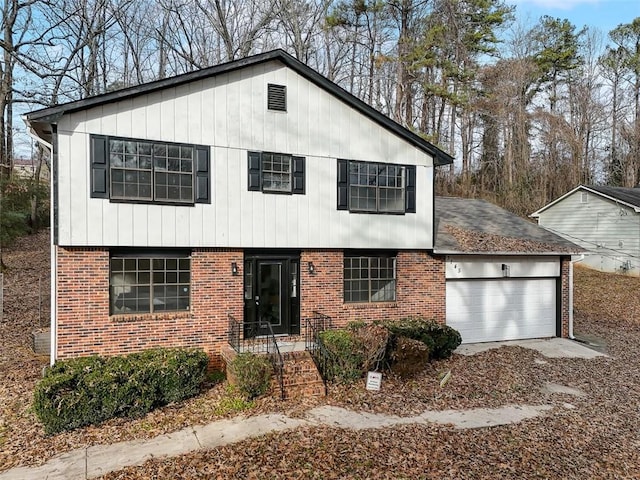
<point x="50" y="115"/>
<point x="627" y="196"/>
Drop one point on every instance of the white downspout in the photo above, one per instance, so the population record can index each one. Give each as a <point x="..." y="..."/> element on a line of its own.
<point x="52" y="255"/>
<point x="571" y="263"/>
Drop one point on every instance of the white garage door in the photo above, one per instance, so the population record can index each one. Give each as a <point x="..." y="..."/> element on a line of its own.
<point x="487" y="310"/>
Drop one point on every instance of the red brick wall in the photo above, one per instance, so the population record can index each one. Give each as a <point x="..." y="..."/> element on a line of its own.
<point x="85" y="327"/>
<point x="564" y="281"/>
<point x="420" y="288"/>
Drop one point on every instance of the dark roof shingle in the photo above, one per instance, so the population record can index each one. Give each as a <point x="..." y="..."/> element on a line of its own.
<point x="627" y="195"/>
<point x="490" y="229"/>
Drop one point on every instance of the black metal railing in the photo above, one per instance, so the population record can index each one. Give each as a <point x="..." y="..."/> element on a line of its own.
<point x="257" y="338"/>
<point x="314" y="326"/>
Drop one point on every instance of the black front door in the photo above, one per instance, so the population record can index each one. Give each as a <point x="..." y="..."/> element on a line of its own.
<point x="271" y="293"/>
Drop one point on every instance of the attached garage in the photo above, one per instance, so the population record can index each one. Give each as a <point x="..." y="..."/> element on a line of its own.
<point x="505" y="277"/>
<point x="502" y="298"/>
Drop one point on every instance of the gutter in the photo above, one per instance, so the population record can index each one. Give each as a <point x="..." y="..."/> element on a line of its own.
<point x="52" y="254"/>
<point x="571" y="263"/>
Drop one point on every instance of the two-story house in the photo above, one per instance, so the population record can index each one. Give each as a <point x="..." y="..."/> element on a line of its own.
<point x="257" y="189"/>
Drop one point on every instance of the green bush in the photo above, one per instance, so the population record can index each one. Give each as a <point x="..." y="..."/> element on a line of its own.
<point x="441" y="339"/>
<point x="252" y="374"/>
<point x="85" y="391"/>
<point x="344" y="356"/>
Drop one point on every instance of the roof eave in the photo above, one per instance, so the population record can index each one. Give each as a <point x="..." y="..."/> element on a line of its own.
<point x="52" y="114"/>
<point x="507" y="253"/>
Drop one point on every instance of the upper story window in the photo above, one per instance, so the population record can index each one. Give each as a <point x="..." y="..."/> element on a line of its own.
<point x="148" y="283"/>
<point x="276" y="173"/>
<point x="370" y="187"/>
<point x="148" y="171"/>
<point x="277" y="97"/>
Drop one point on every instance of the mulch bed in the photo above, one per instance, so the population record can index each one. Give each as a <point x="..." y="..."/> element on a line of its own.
<point x="595" y="436"/>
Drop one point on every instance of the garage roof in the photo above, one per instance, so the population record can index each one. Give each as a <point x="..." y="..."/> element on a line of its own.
<point x="464" y="225"/>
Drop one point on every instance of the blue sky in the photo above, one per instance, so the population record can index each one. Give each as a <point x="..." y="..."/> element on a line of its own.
<point x="602" y="14"/>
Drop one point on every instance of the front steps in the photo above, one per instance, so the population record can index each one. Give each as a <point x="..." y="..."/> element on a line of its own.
<point x="300" y="378"/>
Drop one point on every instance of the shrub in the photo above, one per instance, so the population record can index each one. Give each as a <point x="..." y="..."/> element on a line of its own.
<point x="252" y="374"/>
<point x="85" y="391"/>
<point x="408" y="356"/>
<point x="441" y="339"/>
<point x="344" y="356"/>
<point x="373" y="342"/>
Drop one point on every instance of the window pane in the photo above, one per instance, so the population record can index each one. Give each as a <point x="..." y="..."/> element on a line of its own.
<point x="276" y="173"/>
<point x="173" y="151"/>
<point x="186" y="152"/>
<point x="159" y="150"/>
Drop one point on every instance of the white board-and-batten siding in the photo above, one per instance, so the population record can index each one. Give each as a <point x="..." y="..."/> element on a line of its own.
<point x="228" y="113"/>
<point x="606" y="228"/>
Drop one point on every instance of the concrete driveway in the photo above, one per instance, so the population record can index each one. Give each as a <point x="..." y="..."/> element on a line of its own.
<point x="549" y="347"/>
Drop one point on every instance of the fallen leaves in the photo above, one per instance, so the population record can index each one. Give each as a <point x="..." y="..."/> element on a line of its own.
<point x="598" y="438"/>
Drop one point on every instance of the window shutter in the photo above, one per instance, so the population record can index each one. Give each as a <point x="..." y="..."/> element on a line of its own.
<point x="410" y="189"/>
<point x="254" y="171"/>
<point x="203" y="177"/>
<point x="298" y="175"/>
<point x="343" y="184"/>
<point x="99" y="167"/>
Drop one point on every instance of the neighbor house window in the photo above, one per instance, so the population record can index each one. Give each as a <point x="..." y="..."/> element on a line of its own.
<point x="369" y="278"/>
<point x="139" y="170"/>
<point x="376" y="187"/>
<point x="149" y="283"/>
<point x="276" y="173"/>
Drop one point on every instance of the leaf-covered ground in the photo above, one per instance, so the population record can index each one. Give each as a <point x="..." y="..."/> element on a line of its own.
<point x="594" y="436"/>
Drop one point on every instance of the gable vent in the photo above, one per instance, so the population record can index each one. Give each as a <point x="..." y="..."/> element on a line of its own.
<point x="277" y="97"/>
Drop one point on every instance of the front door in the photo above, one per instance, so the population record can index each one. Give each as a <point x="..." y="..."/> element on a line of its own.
<point x="271" y="293"/>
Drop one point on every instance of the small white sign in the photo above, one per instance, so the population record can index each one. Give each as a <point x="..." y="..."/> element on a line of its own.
<point x="374" y="380"/>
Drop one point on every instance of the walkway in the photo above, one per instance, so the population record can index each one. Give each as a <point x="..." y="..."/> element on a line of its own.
<point x="92" y="462"/>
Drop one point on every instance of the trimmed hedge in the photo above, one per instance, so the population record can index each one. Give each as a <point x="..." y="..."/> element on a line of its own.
<point x="252" y="374"/>
<point x="90" y="390"/>
<point x="344" y="356"/>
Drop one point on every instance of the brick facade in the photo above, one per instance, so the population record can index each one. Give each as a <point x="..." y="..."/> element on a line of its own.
<point x="85" y="326"/>
<point x="564" y="289"/>
<point x="420" y="288"/>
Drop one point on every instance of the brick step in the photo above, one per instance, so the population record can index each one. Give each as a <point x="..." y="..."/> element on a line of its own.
<point x="301" y="377"/>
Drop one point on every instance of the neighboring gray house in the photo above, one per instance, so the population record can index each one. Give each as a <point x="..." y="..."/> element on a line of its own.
<point x="603" y="220"/>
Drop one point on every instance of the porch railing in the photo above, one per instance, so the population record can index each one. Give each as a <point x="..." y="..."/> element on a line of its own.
<point x="314" y="326"/>
<point x="257" y="338"/>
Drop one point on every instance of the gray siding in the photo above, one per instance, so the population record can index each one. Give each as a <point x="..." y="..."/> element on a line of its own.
<point x="609" y="230"/>
<point x="228" y="113"/>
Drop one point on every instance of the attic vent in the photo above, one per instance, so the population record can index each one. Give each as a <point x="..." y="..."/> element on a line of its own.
<point x="584" y="197"/>
<point x="277" y="97"/>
